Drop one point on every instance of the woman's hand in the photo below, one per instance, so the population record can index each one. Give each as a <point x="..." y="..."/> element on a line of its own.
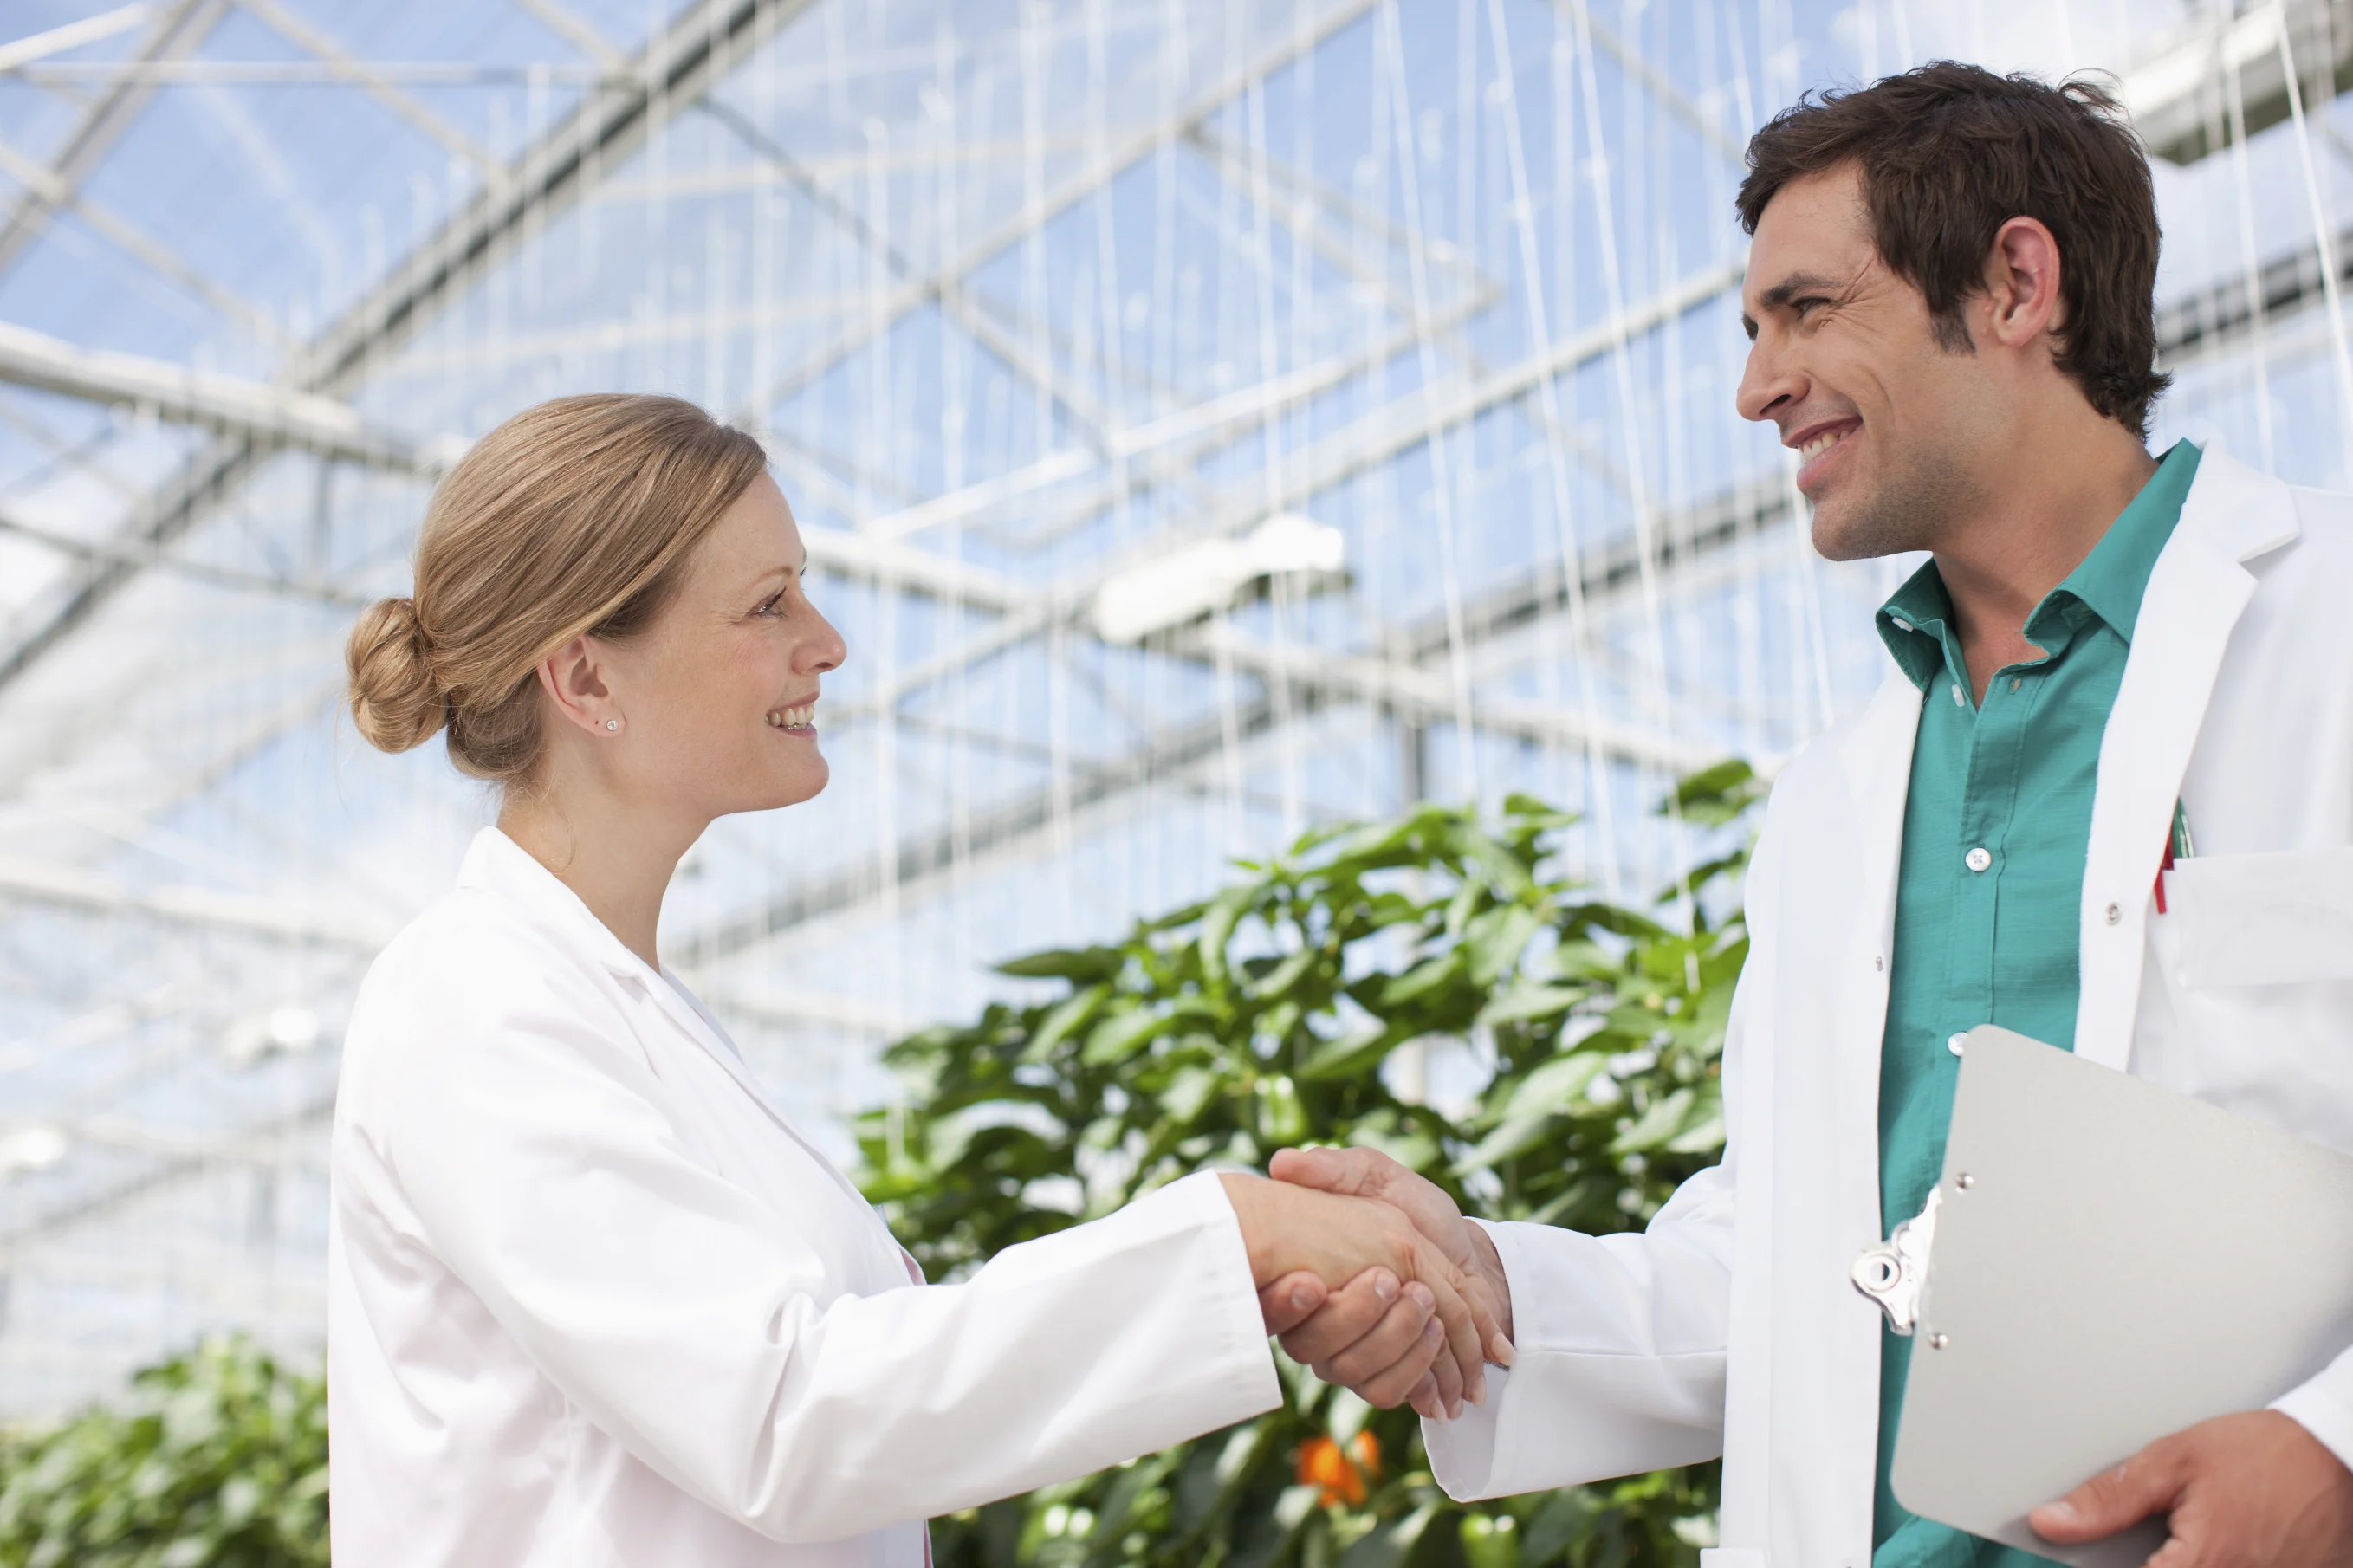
<point x="1290" y="1228"/>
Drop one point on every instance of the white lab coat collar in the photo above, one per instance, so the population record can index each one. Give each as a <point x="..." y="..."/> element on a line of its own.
<point x="497" y="864"/>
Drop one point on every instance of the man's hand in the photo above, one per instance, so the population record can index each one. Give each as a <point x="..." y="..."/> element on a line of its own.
<point x="1347" y="1344"/>
<point x="2241" y="1490"/>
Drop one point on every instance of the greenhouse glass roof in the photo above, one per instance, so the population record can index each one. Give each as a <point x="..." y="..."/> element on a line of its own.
<point x="1208" y="418"/>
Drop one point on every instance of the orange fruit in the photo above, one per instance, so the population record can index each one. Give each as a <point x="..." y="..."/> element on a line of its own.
<point x="1340" y="1475"/>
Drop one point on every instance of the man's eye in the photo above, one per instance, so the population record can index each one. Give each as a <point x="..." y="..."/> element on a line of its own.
<point x="1805" y="305"/>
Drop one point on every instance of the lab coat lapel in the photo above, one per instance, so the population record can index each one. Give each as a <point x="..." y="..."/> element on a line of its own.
<point x="2196" y="593"/>
<point x="1875" y="757"/>
<point x="499" y="863"/>
<point x="682" y="1013"/>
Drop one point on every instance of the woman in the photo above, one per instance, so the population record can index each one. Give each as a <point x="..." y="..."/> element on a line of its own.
<point x="593" y="1301"/>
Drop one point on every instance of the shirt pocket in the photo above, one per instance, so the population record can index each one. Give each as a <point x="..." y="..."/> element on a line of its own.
<point x="2281" y="918"/>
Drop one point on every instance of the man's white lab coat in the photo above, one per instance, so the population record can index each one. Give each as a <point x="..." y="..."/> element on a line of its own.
<point x="1729" y="1325"/>
<point x="594" y="1302"/>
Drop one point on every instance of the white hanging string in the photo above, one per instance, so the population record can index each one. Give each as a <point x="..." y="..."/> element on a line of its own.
<point x="1654" y="649"/>
<point x="1557" y="458"/>
<point x="2251" y="262"/>
<point x="2323" y="229"/>
<point x="1425" y="352"/>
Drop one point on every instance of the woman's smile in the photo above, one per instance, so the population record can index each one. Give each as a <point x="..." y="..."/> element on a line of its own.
<point x="797" y="721"/>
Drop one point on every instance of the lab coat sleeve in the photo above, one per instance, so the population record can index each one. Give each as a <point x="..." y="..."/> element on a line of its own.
<point x="682" y="1316"/>
<point x="2324" y="1406"/>
<point x="1619" y="1340"/>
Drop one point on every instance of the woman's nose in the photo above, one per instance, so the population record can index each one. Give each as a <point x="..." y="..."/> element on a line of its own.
<point x="822" y="650"/>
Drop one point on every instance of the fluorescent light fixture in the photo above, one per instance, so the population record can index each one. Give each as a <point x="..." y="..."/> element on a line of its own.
<point x="27" y="1149"/>
<point x="1196" y="581"/>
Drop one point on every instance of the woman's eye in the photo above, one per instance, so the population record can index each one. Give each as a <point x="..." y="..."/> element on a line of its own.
<point x="768" y="605"/>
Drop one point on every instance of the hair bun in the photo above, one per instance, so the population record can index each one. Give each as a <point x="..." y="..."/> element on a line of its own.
<point x="396" y="701"/>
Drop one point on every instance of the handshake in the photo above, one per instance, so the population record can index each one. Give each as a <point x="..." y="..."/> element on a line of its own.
<point x="1372" y="1278"/>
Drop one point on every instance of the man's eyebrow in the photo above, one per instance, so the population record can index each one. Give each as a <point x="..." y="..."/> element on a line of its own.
<point x="1795" y="284"/>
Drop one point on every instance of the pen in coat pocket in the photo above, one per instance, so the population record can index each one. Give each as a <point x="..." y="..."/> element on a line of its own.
<point x="2179" y="846"/>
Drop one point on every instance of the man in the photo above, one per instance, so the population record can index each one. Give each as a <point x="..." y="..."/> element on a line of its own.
<point x="1949" y="298"/>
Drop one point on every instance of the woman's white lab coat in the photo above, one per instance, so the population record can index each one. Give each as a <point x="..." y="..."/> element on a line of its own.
<point x="593" y="1301"/>
<point x="1729" y="1326"/>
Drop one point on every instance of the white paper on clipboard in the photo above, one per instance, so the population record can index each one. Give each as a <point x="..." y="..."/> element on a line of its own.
<point x="2111" y="1262"/>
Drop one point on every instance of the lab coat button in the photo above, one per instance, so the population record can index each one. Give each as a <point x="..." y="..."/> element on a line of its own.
<point x="1977" y="859"/>
<point x="2114" y="914"/>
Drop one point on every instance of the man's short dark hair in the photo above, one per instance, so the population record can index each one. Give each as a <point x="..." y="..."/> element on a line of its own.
<point x="1949" y="152"/>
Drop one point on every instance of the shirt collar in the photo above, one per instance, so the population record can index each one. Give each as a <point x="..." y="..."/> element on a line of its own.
<point x="1917" y="621"/>
<point x="1913" y="624"/>
<point x="2112" y="577"/>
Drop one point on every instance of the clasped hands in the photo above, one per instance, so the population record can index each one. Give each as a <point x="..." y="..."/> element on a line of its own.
<point x="1399" y="1294"/>
<point x="1373" y="1279"/>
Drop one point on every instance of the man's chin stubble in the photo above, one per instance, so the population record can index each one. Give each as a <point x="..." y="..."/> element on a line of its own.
<point x="1903" y="512"/>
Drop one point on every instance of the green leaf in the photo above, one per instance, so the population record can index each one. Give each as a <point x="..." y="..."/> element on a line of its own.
<point x="1655" y="1127"/>
<point x="1497" y="938"/>
<point x="1225" y="912"/>
<point x="1121" y="1036"/>
<point x="1081" y="965"/>
<point x="1422" y="979"/>
<point x="1350" y="1055"/>
<point x="1526" y="1003"/>
<point x="1070" y="1015"/>
<point x="1716" y="796"/>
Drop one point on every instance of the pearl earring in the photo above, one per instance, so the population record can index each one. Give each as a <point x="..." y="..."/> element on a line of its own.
<point x="612" y="723"/>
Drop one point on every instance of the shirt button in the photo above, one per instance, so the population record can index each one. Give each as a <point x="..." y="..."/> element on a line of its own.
<point x="1977" y="859"/>
<point x="2114" y="914"/>
<point x="2016" y="681"/>
<point x="1959" y="700"/>
<point x="1957" y="1044"/>
<point x="1901" y="624"/>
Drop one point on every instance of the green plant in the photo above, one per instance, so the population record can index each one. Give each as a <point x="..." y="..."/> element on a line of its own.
<point x="1273" y="1015"/>
<point x="217" y="1460"/>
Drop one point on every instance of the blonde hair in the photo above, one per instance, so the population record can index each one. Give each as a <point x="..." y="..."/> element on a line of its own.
<point x="573" y="517"/>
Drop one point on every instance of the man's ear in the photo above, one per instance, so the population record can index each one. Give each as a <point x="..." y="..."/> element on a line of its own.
<point x="2021" y="284"/>
<point x="573" y="677"/>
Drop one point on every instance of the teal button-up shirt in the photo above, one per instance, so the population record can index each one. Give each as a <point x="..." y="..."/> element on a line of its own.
<point x="1995" y="833"/>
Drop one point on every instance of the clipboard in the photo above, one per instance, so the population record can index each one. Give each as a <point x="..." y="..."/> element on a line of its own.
<point x="2103" y="1262"/>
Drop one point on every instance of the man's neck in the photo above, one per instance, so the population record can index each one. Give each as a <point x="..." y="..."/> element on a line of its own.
<point x="2048" y="508"/>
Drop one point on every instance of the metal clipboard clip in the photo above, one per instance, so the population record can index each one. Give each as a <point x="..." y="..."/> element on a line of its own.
<point x="1891" y="1272"/>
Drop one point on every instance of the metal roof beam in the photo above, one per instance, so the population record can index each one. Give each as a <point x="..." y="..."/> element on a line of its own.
<point x="70" y="887"/>
<point x="178" y="32"/>
<point x="269" y="416"/>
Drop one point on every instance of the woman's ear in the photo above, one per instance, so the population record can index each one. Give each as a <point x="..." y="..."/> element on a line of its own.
<point x="573" y="677"/>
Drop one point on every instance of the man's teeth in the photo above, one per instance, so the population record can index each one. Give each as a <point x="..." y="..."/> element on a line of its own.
<point x="793" y="718"/>
<point x="1821" y="442"/>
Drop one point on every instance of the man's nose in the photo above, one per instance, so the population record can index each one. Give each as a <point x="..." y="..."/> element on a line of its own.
<point x="1767" y="381"/>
